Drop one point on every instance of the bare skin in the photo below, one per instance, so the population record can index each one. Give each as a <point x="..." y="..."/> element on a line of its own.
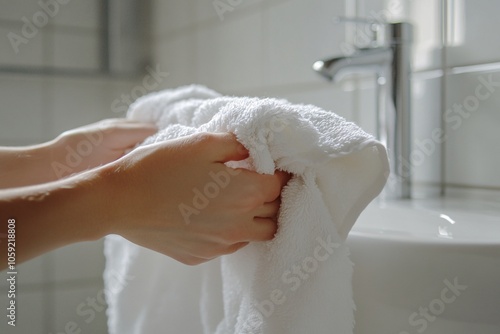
<point x="139" y="195"/>
<point x="36" y="164"/>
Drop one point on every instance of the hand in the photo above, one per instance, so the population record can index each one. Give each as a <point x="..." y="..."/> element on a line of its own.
<point x="97" y="144"/>
<point x="180" y="199"/>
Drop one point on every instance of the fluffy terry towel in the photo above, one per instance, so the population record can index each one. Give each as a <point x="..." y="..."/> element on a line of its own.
<point x="300" y="282"/>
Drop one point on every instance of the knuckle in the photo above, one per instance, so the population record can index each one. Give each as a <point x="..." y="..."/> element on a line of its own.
<point x="263" y="188"/>
<point x="200" y="142"/>
<point x="254" y="194"/>
<point x="251" y="200"/>
<point x="257" y="195"/>
<point x="204" y="137"/>
<point x="256" y="200"/>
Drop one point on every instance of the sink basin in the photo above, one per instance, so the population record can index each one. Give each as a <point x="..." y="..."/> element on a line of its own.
<point x="427" y="266"/>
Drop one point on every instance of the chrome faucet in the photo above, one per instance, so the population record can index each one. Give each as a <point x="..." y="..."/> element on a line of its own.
<point x="389" y="60"/>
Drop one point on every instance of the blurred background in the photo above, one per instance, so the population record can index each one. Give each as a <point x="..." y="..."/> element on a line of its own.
<point x="66" y="63"/>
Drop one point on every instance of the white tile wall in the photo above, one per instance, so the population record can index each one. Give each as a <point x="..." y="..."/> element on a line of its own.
<point x="174" y="15"/>
<point x="205" y="10"/>
<point x="426" y="133"/>
<point x="35" y="271"/>
<point x="77" y="102"/>
<point x="76" y="50"/>
<point x="78" y="262"/>
<point x="78" y="13"/>
<point x="472" y="120"/>
<point x="57" y="35"/>
<point x="15" y="12"/>
<point x="476" y="36"/>
<point x="364" y="103"/>
<point x="116" y="99"/>
<point x="229" y="55"/>
<point x="293" y="41"/>
<point x="380" y="10"/>
<point x="425" y="15"/>
<point x="22" y="113"/>
<point x="168" y="16"/>
<point x="179" y="57"/>
<point x="21" y="51"/>
<point x="79" y="308"/>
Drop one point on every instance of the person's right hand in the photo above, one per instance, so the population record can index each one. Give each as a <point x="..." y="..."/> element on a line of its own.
<point x="180" y="199"/>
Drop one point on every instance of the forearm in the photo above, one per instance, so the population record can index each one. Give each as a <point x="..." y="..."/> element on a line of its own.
<point x="52" y="215"/>
<point x="28" y="165"/>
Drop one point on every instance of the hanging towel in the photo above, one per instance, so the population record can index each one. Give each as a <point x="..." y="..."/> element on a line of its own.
<point x="299" y="282"/>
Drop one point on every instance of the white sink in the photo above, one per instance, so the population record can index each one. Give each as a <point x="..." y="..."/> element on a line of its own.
<point x="427" y="267"/>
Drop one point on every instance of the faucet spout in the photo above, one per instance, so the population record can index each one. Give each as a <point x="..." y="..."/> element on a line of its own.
<point x="373" y="60"/>
<point x="392" y="63"/>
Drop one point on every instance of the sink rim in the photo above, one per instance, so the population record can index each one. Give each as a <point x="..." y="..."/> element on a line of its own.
<point x="438" y="222"/>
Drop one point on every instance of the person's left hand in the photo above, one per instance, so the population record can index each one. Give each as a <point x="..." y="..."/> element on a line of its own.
<point x="96" y="144"/>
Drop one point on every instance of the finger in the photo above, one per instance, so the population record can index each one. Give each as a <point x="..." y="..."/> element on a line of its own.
<point x="227" y="148"/>
<point x="110" y="124"/>
<point x="129" y="135"/>
<point x="268" y="210"/>
<point x="262" y="229"/>
<point x="127" y="120"/>
<point x="132" y="126"/>
<point x="270" y="186"/>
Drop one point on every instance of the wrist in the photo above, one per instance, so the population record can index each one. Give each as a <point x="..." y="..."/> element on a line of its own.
<point x="95" y="192"/>
<point x="24" y="166"/>
<point x="82" y="203"/>
<point x="102" y="190"/>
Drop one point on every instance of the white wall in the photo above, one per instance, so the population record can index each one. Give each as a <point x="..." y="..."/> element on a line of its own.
<point x="263" y="48"/>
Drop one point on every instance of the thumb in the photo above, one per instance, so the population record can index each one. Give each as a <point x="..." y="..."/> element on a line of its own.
<point x="228" y="148"/>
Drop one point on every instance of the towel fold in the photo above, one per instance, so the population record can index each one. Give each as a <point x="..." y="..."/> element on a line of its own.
<point x="299" y="282"/>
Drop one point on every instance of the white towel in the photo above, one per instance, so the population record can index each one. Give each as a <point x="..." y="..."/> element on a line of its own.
<point x="300" y="282"/>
